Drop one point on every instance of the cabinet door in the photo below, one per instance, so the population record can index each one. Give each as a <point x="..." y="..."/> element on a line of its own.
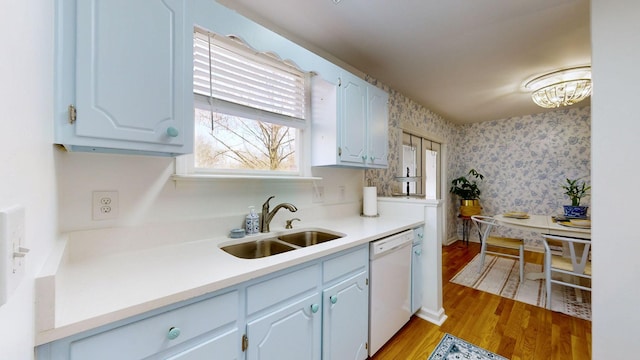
<point x="130" y="73"/>
<point x="289" y="333"/>
<point x="416" y="278"/>
<point x="416" y="270"/>
<point x="346" y="319"/>
<point x="353" y="119"/>
<point x="225" y="346"/>
<point x="378" y="127"/>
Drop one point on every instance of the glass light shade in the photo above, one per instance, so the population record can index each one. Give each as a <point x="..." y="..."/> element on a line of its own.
<point x="561" y="88"/>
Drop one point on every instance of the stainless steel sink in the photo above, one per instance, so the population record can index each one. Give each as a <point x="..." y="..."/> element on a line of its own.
<point x="257" y="249"/>
<point x="308" y="238"/>
<point x="276" y="245"/>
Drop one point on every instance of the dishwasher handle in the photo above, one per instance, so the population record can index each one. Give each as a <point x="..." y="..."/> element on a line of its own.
<point x="380" y="249"/>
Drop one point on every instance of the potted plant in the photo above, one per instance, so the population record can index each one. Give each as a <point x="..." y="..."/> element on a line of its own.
<point x="466" y="188"/>
<point x="575" y="191"/>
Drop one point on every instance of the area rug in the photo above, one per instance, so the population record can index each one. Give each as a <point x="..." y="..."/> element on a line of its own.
<point x="501" y="276"/>
<point x="451" y="347"/>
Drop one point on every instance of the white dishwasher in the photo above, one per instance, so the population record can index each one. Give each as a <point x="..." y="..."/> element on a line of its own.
<point x="390" y="287"/>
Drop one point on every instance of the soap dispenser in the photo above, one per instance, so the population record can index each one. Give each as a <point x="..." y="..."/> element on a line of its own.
<point x="252" y="222"/>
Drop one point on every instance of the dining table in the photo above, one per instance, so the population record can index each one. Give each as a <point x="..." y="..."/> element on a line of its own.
<point x="543" y="224"/>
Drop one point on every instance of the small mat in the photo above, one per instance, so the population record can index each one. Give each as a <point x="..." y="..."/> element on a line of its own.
<point x="501" y="276"/>
<point x="451" y="347"/>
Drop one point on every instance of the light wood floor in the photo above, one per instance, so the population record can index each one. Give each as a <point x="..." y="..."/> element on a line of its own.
<point x="509" y="328"/>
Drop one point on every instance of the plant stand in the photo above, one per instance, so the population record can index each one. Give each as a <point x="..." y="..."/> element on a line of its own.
<point x="467" y="222"/>
<point x="466" y="228"/>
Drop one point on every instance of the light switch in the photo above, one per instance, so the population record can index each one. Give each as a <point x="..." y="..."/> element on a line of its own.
<point x="12" y="250"/>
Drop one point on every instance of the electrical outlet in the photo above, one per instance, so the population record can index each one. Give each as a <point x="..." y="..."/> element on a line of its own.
<point x="12" y="250"/>
<point x="318" y="194"/>
<point x="105" y="205"/>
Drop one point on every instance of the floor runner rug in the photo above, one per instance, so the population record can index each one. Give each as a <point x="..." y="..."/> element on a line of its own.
<point x="451" y="347"/>
<point x="501" y="276"/>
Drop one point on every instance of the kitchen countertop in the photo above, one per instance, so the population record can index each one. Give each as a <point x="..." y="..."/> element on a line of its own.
<point x="91" y="291"/>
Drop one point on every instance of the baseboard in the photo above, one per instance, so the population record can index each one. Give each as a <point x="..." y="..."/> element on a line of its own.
<point x="450" y="241"/>
<point x="436" y="318"/>
<point x="453" y="240"/>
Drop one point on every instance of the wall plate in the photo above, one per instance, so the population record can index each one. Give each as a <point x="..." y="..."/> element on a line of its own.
<point x="12" y="250"/>
<point x="104" y="205"/>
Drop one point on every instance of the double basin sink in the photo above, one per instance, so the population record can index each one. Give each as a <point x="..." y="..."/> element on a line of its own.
<point x="279" y="244"/>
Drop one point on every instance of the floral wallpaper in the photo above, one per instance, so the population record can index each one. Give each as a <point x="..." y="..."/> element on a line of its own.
<point x="404" y="110"/>
<point x="524" y="159"/>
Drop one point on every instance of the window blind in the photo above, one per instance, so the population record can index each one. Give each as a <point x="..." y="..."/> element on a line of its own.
<point x="228" y="71"/>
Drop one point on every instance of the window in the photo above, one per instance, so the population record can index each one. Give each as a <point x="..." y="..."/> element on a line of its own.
<point x="421" y="159"/>
<point x="250" y="108"/>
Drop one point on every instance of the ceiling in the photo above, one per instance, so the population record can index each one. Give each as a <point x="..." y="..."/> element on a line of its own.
<point x="463" y="59"/>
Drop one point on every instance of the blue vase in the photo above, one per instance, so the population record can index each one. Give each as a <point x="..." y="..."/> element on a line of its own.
<point x="575" y="211"/>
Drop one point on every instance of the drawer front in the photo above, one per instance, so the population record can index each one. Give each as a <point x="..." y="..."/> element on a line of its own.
<point x="345" y="264"/>
<point x="149" y="336"/>
<point x="276" y="290"/>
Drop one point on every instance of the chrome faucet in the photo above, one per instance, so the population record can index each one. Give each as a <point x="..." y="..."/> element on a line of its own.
<point x="267" y="215"/>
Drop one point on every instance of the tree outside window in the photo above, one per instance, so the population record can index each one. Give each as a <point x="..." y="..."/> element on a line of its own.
<point x="230" y="142"/>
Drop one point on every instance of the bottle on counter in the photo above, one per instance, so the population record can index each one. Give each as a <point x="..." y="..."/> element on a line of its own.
<point x="252" y="222"/>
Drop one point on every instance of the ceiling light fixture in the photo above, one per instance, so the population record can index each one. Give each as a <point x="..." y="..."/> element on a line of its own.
<point x="561" y="88"/>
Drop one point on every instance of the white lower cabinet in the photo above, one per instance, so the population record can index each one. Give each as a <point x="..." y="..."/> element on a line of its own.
<point x="289" y="333"/>
<point x="283" y="316"/>
<point x="307" y="323"/>
<point x="317" y="310"/>
<point x="194" y="331"/>
<point x="345" y="315"/>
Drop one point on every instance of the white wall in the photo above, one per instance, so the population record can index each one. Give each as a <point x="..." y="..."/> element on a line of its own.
<point x="615" y="36"/>
<point x="27" y="175"/>
<point x="148" y="195"/>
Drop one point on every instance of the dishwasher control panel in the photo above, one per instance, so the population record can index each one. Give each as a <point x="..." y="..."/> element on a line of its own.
<point x="391" y="242"/>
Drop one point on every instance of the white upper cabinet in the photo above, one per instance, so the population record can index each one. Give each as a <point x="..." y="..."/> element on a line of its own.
<point x="352" y="110"/>
<point x="350" y="120"/>
<point x="122" y="66"/>
<point x="378" y="127"/>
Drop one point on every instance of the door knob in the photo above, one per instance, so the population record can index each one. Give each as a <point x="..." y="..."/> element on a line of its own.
<point x="174" y="332"/>
<point x="172" y="132"/>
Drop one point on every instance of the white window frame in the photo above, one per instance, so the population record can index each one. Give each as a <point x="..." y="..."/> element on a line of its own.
<point x="185" y="165"/>
<point x="421" y="144"/>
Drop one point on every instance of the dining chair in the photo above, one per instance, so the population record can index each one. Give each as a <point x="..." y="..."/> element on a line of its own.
<point x="485" y="226"/>
<point x="573" y="262"/>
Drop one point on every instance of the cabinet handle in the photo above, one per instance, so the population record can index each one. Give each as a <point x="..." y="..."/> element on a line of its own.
<point x="314" y="308"/>
<point x="418" y="252"/>
<point x="172" y="132"/>
<point x="364" y="158"/>
<point x="174" y="332"/>
<point x="333" y="299"/>
<point x="372" y="159"/>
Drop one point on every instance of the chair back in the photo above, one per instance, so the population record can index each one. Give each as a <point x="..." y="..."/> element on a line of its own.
<point x="488" y="222"/>
<point x="578" y="252"/>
